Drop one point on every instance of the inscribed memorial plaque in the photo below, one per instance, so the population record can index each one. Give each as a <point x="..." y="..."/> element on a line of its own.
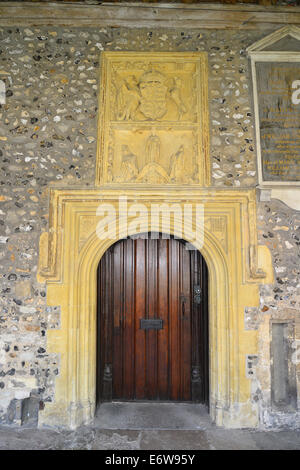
<point x="278" y="93"/>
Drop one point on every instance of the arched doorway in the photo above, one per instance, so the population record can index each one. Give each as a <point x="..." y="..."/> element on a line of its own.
<point x="152" y="321"/>
<point x="69" y="256"/>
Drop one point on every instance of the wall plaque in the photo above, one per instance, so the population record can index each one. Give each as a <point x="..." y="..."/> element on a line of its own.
<point x="275" y="62"/>
<point x="278" y="93"/>
<point x="153" y="119"/>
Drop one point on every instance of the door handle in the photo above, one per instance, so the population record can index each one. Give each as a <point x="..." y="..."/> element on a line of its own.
<point x="183" y="300"/>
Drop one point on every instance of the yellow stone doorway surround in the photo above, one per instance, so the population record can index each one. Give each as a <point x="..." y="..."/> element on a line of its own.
<point x="69" y="256"/>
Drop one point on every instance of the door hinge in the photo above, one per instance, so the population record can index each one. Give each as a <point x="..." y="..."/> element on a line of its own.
<point x="197" y="294"/>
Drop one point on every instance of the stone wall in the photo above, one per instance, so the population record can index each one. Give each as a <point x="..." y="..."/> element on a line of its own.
<point x="48" y="136"/>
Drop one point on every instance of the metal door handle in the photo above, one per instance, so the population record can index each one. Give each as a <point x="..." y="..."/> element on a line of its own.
<point x="183" y="300"/>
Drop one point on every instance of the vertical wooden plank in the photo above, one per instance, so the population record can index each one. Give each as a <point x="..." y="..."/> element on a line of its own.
<point x="200" y="370"/>
<point x="104" y="342"/>
<point x="185" y="322"/>
<point x="163" y="313"/>
<point x="174" y="328"/>
<point x="151" y="335"/>
<point x="117" y="320"/>
<point x="128" y="320"/>
<point x="140" y="312"/>
<point x="197" y="346"/>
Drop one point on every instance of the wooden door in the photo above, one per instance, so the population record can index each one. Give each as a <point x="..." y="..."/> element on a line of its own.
<point x="152" y="324"/>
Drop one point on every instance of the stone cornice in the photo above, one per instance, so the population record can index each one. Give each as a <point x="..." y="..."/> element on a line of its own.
<point x="138" y="15"/>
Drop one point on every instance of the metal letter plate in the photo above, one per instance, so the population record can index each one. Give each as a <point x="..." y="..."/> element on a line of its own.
<point x="151" y="324"/>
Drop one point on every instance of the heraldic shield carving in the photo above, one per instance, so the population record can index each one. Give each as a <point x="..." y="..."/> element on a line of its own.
<point x="153" y="119"/>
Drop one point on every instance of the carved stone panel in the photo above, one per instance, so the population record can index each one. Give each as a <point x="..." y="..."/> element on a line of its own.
<point x="218" y="226"/>
<point x="153" y="120"/>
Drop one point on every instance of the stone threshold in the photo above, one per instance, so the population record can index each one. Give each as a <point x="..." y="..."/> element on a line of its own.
<point x="152" y="415"/>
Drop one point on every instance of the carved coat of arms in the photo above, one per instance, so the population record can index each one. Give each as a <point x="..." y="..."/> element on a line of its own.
<point x="152" y="97"/>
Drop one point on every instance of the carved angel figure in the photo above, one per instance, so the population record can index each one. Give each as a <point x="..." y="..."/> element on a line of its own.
<point x="178" y="171"/>
<point x="176" y="96"/>
<point x="128" y="98"/>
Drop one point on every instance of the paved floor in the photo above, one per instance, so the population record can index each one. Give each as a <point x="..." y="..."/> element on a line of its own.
<point x="164" y="427"/>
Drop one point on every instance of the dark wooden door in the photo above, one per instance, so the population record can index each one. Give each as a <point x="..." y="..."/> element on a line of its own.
<point x="152" y="324"/>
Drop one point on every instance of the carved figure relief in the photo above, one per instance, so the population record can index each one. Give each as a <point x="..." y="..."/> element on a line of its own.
<point x="128" y="99"/>
<point x="177" y="165"/>
<point x="152" y="171"/>
<point x="128" y="170"/>
<point x="153" y="122"/>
